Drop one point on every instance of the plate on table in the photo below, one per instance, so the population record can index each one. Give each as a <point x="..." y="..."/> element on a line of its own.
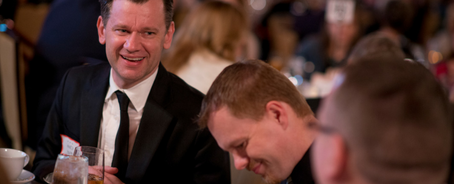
<point x="25" y="177"/>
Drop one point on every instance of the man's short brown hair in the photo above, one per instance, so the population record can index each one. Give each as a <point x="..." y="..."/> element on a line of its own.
<point x="246" y="87"/>
<point x="395" y="119"/>
<point x="106" y="5"/>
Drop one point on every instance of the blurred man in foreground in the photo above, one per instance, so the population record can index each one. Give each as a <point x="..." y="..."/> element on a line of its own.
<point x="388" y="121"/>
<point x="258" y="115"/>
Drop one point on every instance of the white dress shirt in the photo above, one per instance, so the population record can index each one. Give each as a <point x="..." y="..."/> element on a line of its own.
<point x="110" y="121"/>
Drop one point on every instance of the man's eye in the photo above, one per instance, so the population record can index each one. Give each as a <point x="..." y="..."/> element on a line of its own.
<point x="149" y="33"/>
<point x="242" y="145"/>
<point x="121" y="30"/>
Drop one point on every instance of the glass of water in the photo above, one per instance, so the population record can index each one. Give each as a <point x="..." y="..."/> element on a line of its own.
<point x="70" y="170"/>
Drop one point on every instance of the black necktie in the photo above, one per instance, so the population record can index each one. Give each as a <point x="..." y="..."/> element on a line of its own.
<point x="120" y="157"/>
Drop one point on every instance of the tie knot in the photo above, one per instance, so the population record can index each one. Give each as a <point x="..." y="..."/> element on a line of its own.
<point x="123" y="100"/>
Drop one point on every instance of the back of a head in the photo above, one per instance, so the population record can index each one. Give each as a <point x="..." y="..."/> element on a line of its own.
<point x="375" y="45"/>
<point x="213" y="25"/>
<point x="246" y="87"/>
<point x="396" y="121"/>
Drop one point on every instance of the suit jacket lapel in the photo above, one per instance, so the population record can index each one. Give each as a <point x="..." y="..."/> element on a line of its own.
<point x="153" y="125"/>
<point x="92" y="102"/>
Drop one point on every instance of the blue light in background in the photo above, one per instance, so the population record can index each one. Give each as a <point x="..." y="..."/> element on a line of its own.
<point x="3" y="27"/>
<point x="296" y="80"/>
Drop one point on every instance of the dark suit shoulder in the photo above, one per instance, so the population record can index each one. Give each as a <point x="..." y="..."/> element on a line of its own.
<point x="86" y="74"/>
<point x="189" y="99"/>
<point x="88" y="70"/>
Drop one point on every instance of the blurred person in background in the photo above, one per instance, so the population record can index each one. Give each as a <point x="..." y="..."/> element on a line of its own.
<point x="444" y="71"/>
<point x="309" y="16"/>
<point x="276" y="34"/>
<point x="209" y="39"/>
<point x="443" y="41"/>
<point x="396" y="18"/>
<point x="181" y="10"/>
<point x="251" y="47"/>
<point x="441" y="53"/>
<point x="388" y="121"/>
<point x="441" y="47"/>
<point x="68" y="38"/>
<point x="330" y="49"/>
<point x="256" y="113"/>
<point x="425" y="20"/>
<point x="370" y="46"/>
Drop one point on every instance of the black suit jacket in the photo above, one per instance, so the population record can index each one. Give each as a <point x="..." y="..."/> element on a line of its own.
<point x="169" y="147"/>
<point x="302" y="173"/>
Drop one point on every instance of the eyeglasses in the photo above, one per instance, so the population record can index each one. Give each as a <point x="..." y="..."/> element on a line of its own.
<point x="323" y="129"/>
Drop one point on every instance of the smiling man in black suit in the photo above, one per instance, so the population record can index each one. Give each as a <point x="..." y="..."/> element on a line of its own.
<point x="141" y="115"/>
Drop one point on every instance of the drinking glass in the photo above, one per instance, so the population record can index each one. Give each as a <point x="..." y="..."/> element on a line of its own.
<point x="70" y="170"/>
<point x="95" y="163"/>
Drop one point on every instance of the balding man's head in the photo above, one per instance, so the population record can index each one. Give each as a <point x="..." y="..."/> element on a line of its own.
<point x="394" y="120"/>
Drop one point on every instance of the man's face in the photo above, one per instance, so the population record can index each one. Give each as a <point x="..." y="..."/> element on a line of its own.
<point x="259" y="146"/>
<point x="135" y="35"/>
<point x="342" y="34"/>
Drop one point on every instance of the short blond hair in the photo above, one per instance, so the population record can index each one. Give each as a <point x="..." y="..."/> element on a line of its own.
<point x="246" y="87"/>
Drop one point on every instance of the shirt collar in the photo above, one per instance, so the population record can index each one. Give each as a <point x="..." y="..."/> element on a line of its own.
<point x="137" y="94"/>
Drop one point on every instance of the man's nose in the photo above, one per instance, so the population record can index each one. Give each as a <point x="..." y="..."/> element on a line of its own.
<point x="241" y="161"/>
<point x="132" y="44"/>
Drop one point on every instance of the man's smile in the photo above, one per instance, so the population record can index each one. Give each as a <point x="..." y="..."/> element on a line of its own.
<point x="132" y="59"/>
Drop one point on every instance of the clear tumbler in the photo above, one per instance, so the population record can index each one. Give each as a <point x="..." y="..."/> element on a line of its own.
<point x="70" y="170"/>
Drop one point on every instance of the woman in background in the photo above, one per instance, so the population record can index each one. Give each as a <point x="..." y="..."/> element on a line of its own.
<point x="209" y="39"/>
<point x="331" y="48"/>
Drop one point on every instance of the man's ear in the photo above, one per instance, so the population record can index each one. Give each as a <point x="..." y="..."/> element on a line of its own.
<point x="101" y="31"/>
<point x="277" y="112"/>
<point x="169" y="36"/>
<point x="340" y="158"/>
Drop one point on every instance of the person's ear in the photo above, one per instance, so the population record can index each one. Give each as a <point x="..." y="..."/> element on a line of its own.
<point x="340" y="158"/>
<point x="169" y="36"/>
<point x="277" y="112"/>
<point x="101" y="31"/>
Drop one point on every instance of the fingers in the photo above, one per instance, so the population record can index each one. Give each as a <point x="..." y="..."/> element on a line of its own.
<point x="111" y="179"/>
<point x="110" y="170"/>
<point x="96" y="170"/>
